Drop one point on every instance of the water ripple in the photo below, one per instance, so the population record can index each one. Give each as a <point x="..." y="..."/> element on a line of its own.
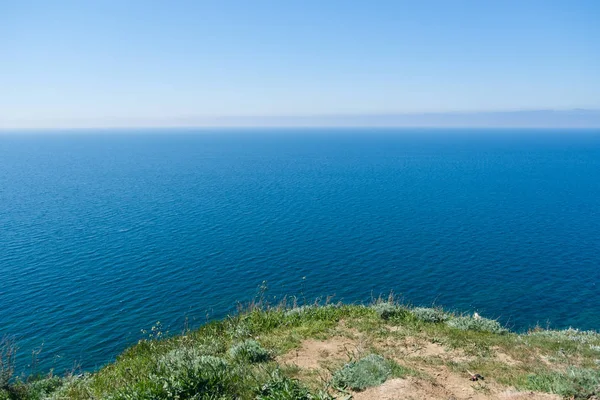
<point x="103" y="236"/>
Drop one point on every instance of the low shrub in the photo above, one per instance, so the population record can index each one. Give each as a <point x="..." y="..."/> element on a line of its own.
<point x="480" y="324"/>
<point x="188" y="358"/>
<point x="387" y="310"/>
<point x="298" y="310"/>
<point x="280" y="387"/>
<point x="434" y="315"/>
<point x="73" y="387"/>
<point x="42" y="388"/>
<point x="211" y="346"/>
<point x="250" y="351"/>
<point x="368" y="371"/>
<point x="239" y="331"/>
<point x="183" y="373"/>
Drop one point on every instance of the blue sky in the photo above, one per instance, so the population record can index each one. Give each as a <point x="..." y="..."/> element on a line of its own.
<point x="123" y="62"/>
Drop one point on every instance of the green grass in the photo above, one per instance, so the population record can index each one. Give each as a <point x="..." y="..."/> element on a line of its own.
<point x="575" y="383"/>
<point x="281" y="387"/>
<point x="237" y="358"/>
<point x="368" y="371"/>
<point x="469" y="323"/>
<point x="250" y="351"/>
<point x="433" y="315"/>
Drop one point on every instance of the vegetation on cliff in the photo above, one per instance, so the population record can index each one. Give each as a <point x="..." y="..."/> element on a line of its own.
<point x="335" y="351"/>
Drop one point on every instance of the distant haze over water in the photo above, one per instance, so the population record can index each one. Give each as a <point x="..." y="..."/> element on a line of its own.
<point x="578" y="118"/>
<point x="104" y="235"/>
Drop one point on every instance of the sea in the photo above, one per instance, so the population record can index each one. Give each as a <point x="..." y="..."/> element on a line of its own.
<point x="105" y="233"/>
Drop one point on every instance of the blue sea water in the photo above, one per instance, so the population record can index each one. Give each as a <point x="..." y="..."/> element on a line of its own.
<point x="103" y="234"/>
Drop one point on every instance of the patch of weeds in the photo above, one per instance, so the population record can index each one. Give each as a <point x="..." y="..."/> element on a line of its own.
<point x="479" y="324"/>
<point x="280" y="387"/>
<point x="238" y="331"/>
<point x="572" y="335"/>
<point x="8" y="353"/>
<point x="184" y="373"/>
<point x="249" y="351"/>
<point x="262" y="321"/>
<point x="74" y="388"/>
<point x="187" y="359"/>
<point x="434" y="315"/>
<point x="575" y="383"/>
<point x="388" y="310"/>
<point x="312" y="308"/>
<point x="141" y="390"/>
<point x="371" y="370"/>
<point x="290" y="369"/>
<point x="16" y="391"/>
<point x="42" y="388"/>
<point x="211" y="346"/>
<point x="298" y="311"/>
<point x="328" y="314"/>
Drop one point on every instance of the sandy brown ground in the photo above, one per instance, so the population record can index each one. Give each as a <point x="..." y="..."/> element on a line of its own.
<point x="435" y="381"/>
<point x="315" y="354"/>
<point x="447" y="386"/>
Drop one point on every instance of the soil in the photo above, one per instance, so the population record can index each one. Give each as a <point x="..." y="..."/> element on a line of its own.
<point x="437" y="381"/>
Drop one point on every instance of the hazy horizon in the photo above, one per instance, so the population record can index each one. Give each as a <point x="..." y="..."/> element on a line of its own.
<point x="573" y="119"/>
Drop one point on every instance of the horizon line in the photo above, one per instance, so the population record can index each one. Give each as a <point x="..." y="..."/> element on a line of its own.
<point x="534" y="118"/>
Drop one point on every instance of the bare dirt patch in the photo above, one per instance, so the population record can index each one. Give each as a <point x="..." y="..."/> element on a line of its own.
<point x="444" y="387"/>
<point x="409" y="348"/>
<point x="435" y="382"/>
<point x="510" y="395"/>
<point x="314" y="353"/>
<point x="405" y="389"/>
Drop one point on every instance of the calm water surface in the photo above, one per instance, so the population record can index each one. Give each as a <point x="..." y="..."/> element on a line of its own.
<point x="103" y="234"/>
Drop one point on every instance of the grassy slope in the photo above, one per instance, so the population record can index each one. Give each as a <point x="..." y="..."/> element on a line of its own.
<point x="244" y="357"/>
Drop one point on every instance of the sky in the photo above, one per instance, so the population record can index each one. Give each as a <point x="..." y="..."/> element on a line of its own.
<point x="118" y="62"/>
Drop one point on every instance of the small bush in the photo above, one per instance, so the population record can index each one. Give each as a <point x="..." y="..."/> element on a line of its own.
<point x="42" y="388"/>
<point x="476" y="324"/>
<point x="575" y="383"/>
<point x="187" y="358"/>
<point x="211" y="347"/>
<point x="387" y="310"/>
<point x="430" y="314"/>
<point x="239" y="331"/>
<point x="297" y="311"/>
<point x="183" y="373"/>
<point x="250" y="351"/>
<point x="369" y="371"/>
<point x="74" y="387"/>
<point x="280" y="387"/>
